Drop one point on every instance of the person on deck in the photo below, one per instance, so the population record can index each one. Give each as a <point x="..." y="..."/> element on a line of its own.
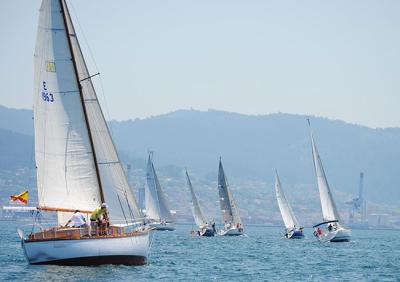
<point x="77" y="219"/>
<point x="99" y="218"/>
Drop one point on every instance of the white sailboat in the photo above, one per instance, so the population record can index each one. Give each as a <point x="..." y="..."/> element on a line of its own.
<point x="230" y="214"/>
<point x="77" y="164"/>
<point x="157" y="210"/>
<point x="205" y="229"/>
<point x="335" y="232"/>
<point x="293" y="229"/>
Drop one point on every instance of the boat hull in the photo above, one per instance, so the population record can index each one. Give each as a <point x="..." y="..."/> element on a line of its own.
<point x="209" y="232"/>
<point x="129" y="250"/>
<point x="231" y="232"/>
<point x="339" y="235"/>
<point x="297" y="235"/>
<point x="162" y="226"/>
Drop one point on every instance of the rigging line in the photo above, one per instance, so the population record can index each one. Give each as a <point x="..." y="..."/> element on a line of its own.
<point x="129" y="206"/>
<point x="34" y="221"/>
<point x="94" y="63"/>
<point x="89" y="77"/>
<point x="120" y="204"/>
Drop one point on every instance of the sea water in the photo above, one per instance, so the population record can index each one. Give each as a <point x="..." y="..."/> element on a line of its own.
<point x="262" y="255"/>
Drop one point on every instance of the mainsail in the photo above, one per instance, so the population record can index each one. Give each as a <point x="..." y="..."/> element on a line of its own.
<point x="329" y="210"/>
<point x="77" y="163"/>
<point x="198" y="215"/>
<point x="230" y="213"/>
<point x="286" y="210"/>
<point x="155" y="201"/>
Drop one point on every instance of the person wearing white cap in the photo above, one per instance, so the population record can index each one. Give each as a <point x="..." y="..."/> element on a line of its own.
<point x="99" y="218"/>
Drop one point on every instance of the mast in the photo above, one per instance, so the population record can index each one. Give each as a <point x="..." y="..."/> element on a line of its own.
<point x="64" y="9"/>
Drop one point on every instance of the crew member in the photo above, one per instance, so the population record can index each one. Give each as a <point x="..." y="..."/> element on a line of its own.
<point x="77" y="219"/>
<point x="99" y="218"/>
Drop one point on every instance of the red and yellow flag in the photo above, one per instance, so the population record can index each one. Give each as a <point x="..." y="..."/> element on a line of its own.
<point x="23" y="197"/>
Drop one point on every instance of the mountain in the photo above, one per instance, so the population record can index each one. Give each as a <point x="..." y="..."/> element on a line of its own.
<point x="251" y="148"/>
<point x="16" y="120"/>
<point x="16" y="150"/>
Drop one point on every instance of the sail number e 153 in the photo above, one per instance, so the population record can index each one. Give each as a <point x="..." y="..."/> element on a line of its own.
<point x="46" y="95"/>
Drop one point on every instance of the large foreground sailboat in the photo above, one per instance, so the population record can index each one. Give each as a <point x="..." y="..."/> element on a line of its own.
<point x="77" y="164"/>
<point x="230" y="214"/>
<point x="293" y="229"/>
<point x="334" y="232"/>
<point x="157" y="211"/>
<point x="205" y="229"/>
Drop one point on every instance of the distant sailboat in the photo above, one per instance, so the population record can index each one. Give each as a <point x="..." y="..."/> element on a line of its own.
<point x="77" y="164"/>
<point x="230" y="214"/>
<point x="335" y="232"/>
<point x="157" y="210"/>
<point x="293" y="229"/>
<point x="205" y="229"/>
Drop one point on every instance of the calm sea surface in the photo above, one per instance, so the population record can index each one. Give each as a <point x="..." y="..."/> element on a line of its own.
<point x="373" y="255"/>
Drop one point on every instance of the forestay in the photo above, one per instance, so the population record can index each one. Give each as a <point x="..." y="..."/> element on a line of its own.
<point x="155" y="201"/>
<point x="198" y="215"/>
<point x="230" y="213"/>
<point x="328" y="206"/>
<point x="288" y="216"/>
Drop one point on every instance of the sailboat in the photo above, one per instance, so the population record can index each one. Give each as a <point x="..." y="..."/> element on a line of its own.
<point x="204" y="227"/>
<point x="78" y="167"/>
<point x="334" y="232"/>
<point x="157" y="211"/>
<point x="293" y="229"/>
<point x="230" y="214"/>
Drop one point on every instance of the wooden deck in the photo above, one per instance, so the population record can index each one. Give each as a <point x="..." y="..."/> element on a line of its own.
<point x="69" y="233"/>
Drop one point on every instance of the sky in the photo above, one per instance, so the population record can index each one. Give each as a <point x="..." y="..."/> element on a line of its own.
<point x="336" y="59"/>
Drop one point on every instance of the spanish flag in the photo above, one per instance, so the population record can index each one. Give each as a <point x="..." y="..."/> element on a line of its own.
<point x="23" y="197"/>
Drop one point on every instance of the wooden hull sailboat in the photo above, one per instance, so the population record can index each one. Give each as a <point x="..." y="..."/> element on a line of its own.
<point x="293" y="229"/>
<point x="230" y="214"/>
<point x="128" y="249"/>
<point x="78" y="167"/>
<point x="157" y="210"/>
<point x="334" y="232"/>
<point x="205" y="229"/>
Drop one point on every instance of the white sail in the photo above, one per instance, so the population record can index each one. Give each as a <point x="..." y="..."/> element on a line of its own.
<point x="230" y="213"/>
<point x="66" y="176"/>
<point x="329" y="210"/>
<point x="288" y="216"/>
<point x="198" y="215"/>
<point x="155" y="201"/>
<point x="78" y="166"/>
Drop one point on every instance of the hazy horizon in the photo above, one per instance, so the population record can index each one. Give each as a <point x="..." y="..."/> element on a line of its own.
<point x="337" y="60"/>
<point x="217" y="110"/>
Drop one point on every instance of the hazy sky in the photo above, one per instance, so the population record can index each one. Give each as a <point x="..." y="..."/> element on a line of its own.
<point x="338" y="59"/>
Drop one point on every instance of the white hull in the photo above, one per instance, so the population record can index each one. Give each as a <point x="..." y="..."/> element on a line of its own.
<point x="339" y="235"/>
<point x="160" y="226"/>
<point x="231" y="232"/>
<point x="130" y="250"/>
